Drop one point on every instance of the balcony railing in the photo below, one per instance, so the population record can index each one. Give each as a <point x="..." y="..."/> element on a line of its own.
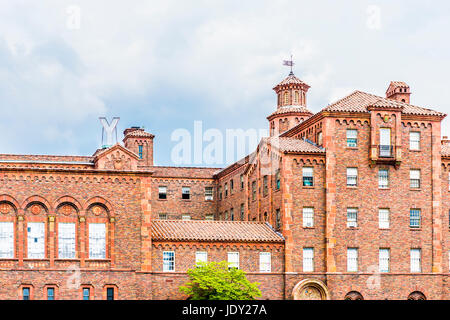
<point x="386" y="151"/>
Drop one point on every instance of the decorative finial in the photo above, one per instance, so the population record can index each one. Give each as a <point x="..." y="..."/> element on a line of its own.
<point x="289" y="63"/>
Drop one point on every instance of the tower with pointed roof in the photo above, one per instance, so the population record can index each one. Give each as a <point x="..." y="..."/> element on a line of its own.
<point x="291" y="105"/>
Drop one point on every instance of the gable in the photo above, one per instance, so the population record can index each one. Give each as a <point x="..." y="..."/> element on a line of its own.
<point x="116" y="158"/>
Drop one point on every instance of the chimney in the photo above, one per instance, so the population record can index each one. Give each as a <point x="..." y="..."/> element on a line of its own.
<point x="137" y="140"/>
<point x="398" y="91"/>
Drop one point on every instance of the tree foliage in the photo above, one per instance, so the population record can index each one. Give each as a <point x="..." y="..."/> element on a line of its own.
<point x="215" y="281"/>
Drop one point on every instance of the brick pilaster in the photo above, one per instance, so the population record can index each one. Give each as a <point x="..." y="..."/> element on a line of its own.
<point x="146" y="225"/>
<point x="286" y="210"/>
<point x="437" y="196"/>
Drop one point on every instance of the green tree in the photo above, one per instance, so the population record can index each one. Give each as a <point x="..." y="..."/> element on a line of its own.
<point x="215" y="281"/>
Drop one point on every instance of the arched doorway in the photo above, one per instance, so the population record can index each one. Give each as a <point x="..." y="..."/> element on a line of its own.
<point x="310" y="289"/>
<point x="354" y="295"/>
<point x="417" y="295"/>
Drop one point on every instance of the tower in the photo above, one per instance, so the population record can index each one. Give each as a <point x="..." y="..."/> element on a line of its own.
<point x="291" y="105"/>
<point x="398" y="91"/>
<point x="141" y="143"/>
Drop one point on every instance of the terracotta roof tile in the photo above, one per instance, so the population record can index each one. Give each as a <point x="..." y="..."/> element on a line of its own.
<point x="445" y="149"/>
<point x="289" y="109"/>
<point x="291" y="79"/>
<point x="226" y="231"/>
<point x="284" y="144"/>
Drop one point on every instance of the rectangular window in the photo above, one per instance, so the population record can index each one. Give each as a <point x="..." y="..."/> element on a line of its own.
<point x="86" y="293"/>
<point x="416" y="265"/>
<point x="50" y="293"/>
<point x="352" y="259"/>
<point x="163" y="216"/>
<point x="66" y="240"/>
<point x="231" y="186"/>
<point x="352" y="176"/>
<point x="168" y="261"/>
<point x="383" y="218"/>
<point x="226" y="190"/>
<point x="414" y="218"/>
<point x="384" y="256"/>
<point x="209" y="217"/>
<point x="97" y="241"/>
<point x="308" y="178"/>
<point x="352" y="138"/>
<point x="109" y="293"/>
<point x="162" y="192"/>
<point x="253" y="190"/>
<point x="385" y="142"/>
<point x="242" y="181"/>
<point x="185" y="217"/>
<point x="308" y="217"/>
<point x="209" y="193"/>
<point x="232" y="214"/>
<point x="352" y="217"/>
<point x="319" y="139"/>
<point x="242" y="212"/>
<point x="6" y="240"/>
<point x="141" y="152"/>
<point x="383" y="178"/>
<point x="308" y="259"/>
<point x="185" y="193"/>
<point x="414" y="140"/>
<point x="265" y="262"/>
<point x="277" y="180"/>
<point x="414" y="178"/>
<point x="36" y="240"/>
<point x="220" y="193"/>
<point x="278" y="219"/>
<point x="201" y="256"/>
<point x="233" y="260"/>
<point x="26" y="293"/>
<point x="265" y="188"/>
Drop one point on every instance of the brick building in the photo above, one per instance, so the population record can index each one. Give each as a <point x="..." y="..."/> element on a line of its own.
<point x="350" y="202"/>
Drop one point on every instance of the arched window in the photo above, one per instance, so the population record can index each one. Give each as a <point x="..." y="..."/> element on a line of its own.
<point x="286" y="98"/>
<point x="353" y="295"/>
<point x="297" y="96"/>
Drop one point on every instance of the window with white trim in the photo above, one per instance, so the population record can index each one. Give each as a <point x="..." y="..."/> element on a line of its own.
<point x="384" y="257"/>
<point x="414" y="218"/>
<point x="97" y="241"/>
<point x="383" y="178"/>
<point x="201" y="256"/>
<point x="162" y="192"/>
<point x="265" y="262"/>
<point x="209" y="193"/>
<point x="383" y="218"/>
<point x="36" y="240"/>
<point x="308" y="217"/>
<point x="352" y="138"/>
<point x="414" y="178"/>
<point x="308" y="176"/>
<point x="168" y="261"/>
<point x="66" y="240"/>
<point x="352" y="259"/>
<point x="414" y="140"/>
<point x="185" y="193"/>
<point x="352" y="177"/>
<point x="6" y="240"/>
<point x="233" y="260"/>
<point x="352" y="217"/>
<point x="308" y="259"/>
<point x="416" y="265"/>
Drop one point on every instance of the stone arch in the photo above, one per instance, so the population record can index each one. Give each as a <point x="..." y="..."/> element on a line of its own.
<point x="417" y="295"/>
<point x="310" y="289"/>
<point x="103" y="202"/>
<point x="10" y="200"/>
<point x="67" y="200"/>
<point x="354" y="295"/>
<point x="36" y="199"/>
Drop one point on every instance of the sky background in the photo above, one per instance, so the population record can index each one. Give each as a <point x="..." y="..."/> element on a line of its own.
<point x="165" y="64"/>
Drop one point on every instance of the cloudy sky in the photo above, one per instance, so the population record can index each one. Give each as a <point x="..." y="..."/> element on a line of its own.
<point x="166" y="64"/>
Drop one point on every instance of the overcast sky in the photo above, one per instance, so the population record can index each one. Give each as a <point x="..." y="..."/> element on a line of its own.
<point x="165" y="64"/>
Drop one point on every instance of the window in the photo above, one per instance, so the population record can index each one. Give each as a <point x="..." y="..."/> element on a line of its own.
<point x="286" y="98"/>
<point x="414" y="140"/>
<point x="414" y="218"/>
<point x="97" y="241"/>
<point x="140" y="151"/>
<point x="185" y="193"/>
<point x="352" y="176"/>
<point x="168" y="261"/>
<point x="278" y="219"/>
<point x="265" y="189"/>
<point x="110" y="293"/>
<point x="352" y="259"/>
<point x="50" y="293"/>
<point x="383" y="218"/>
<point x="233" y="260"/>
<point x="209" y="217"/>
<point x="226" y="190"/>
<point x="308" y="259"/>
<point x="277" y="179"/>
<point x="385" y="142"/>
<point x="352" y="138"/>
<point x="231" y="186"/>
<point x="162" y="192"/>
<point x="86" y="293"/>
<point x="265" y="262"/>
<point x="201" y="256"/>
<point x="242" y="181"/>
<point x="6" y="240"/>
<point x="185" y="217"/>
<point x="242" y="212"/>
<point x="26" y="293"/>
<point x="220" y="193"/>
<point x="319" y="139"/>
<point x="414" y="179"/>
<point x="36" y="240"/>
<point x="163" y="216"/>
<point x="296" y="96"/>
<point x="416" y="265"/>
<point x="308" y="217"/>
<point x="66" y="240"/>
<point x="308" y="176"/>
<point x="384" y="256"/>
<point x="253" y="190"/>
<point x="352" y="217"/>
<point x="383" y="178"/>
<point x="209" y="193"/>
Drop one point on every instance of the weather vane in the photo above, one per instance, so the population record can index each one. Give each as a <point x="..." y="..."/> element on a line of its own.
<point x="289" y="63"/>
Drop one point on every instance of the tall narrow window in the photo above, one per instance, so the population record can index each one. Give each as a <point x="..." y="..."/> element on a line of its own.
<point x="231" y="186"/>
<point x="277" y="180"/>
<point x="352" y="259"/>
<point x="385" y="142"/>
<point x="352" y="138"/>
<point x="383" y="178"/>
<point x="319" y="139"/>
<point x="308" y="217"/>
<point x="352" y="217"/>
<point x="265" y="262"/>
<point x="220" y="192"/>
<point x="26" y="293"/>
<point x="162" y="193"/>
<point x="50" y="293"/>
<point x="201" y="256"/>
<point x="278" y="219"/>
<point x="185" y="193"/>
<point x="6" y="240"/>
<point x="286" y="98"/>
<point x="168" y="261"/>
<point x="414" y="179"/>
<point x="97" y="241"/>
<point x="253" y="190"/>
<point x="296" y="95"/>
<point x="383" y="218"/>
<point x="352" y="177"/>
<point x="384" y="257"/>
<point x="66" y="240"/>
<point x="233" y="260"/>
<point x="209" y="193"/>
<point x="414" y="218"/>
<point x="36" y="240"/>
<point x="242" y="181"/>
<point x="414" y="140"/>
<point x="308" y="259"/>
<point x="226" y="190"/>
<point x="308" y="176"/>
<point x="232" y="214"/>
<point x="86" y="293"/>
<point x="416" y="265"/>
<point x="265" y="188"/>
<point x="242" y="212"/>
<point x="141" y="151"/>
<point x="110" y="293"/>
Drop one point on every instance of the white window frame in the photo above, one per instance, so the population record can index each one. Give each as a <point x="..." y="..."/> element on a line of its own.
<point x="162" y="190"/>
<point x="352" y="217"/>
<point x="66" y="240"/>
<point x="6" y="240"/>
<point x="384" y="259"/>
<point x="308" y="259"/>
<point x="414" y="174"/>
<point x="186" y="191"/>
<point x="352" y="174"/>
<point x="416" y="260"/>
<point x="265" y="262"/>
<point x="350" y="135"/>
<point x="308" y="172"/>
<point x="201" y="256"/>
<point x="97" y="240"/>
<point x="168" y="261"/>
<point x="233" y="260"/>
<point x="414" y="140"/>
<point x="382" y="179"/>
<point x="36" y="240"/>
<point x="209" y="193"/>
<point x="308" y="217"/>
<point x="352" y="259"/>
<point x="383" y="218"/>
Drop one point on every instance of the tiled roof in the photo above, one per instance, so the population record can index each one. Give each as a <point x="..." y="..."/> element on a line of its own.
<point x="358" y="101"/>
<point x="445" y="149"/>
<point x="289" y="109"/>
<point x="291" y="79"/>
<point x="139" y="133"/>
<point x="399" y="84"/>
<point x="226" y="231"/>
<point x="293" y="145"/>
